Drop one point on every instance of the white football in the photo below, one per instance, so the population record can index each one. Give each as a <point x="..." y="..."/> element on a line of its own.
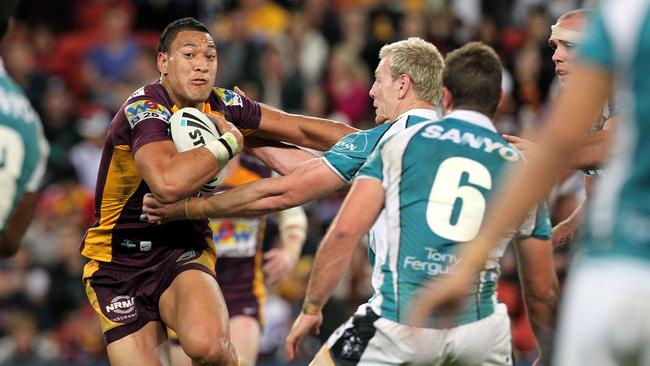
<point x="191" y="128"/>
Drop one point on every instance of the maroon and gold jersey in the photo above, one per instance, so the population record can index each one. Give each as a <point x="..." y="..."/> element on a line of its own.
<point x="118" y="235"/>
<point x="239" y="248"/>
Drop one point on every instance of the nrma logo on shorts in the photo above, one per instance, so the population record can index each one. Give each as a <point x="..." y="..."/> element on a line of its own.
<point x="121" y="305"/>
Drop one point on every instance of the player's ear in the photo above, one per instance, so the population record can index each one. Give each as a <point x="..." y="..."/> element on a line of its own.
<point x="161" y="61"/>
<point x="502" y="97"/>
<point x="447" y="100"/>
<point x="405" y="84"/>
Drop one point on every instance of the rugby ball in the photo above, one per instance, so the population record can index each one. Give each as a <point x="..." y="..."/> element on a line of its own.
<point x="190" y="129"/>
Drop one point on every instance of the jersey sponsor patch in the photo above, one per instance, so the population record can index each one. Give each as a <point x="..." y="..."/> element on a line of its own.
<point x="236" y="238"/>
<point x="229" y="97"/>
<point x="355" y="142"/>
<point x="145" y="109"/>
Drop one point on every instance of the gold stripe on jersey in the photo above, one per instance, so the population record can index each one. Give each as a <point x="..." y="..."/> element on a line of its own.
<point x="89" y="269"/>
<point x="122" y="180"/>
<point x="259" y="289"/>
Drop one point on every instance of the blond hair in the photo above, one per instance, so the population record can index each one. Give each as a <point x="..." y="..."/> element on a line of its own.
<point x="421" y="62"/>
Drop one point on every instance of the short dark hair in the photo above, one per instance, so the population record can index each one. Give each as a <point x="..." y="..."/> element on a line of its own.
<point x="7" y="9"/>
<point x="172" y="29"/>
<point x="473" y="76"/>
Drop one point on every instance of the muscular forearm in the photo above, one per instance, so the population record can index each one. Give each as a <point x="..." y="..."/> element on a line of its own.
<point x="593" y="151"/>
<point x="541" y="316"/>
<point x="332" y="260"/>
<point x="311" y="132"/>
<point x="282" y="158"/>
<point x="261" y="197"/>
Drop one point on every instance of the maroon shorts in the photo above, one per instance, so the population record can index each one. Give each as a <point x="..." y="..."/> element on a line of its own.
<point x="242" y="284"/>
<point x="126" y="298"/>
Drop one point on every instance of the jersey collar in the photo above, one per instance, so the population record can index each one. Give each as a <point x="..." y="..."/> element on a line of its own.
<point x="475" y="118"/>
<point x="420" y="112"/>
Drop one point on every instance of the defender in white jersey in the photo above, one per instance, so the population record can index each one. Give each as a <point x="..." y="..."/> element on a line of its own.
<point x="604" y="319"/>
<point x="23" y="154"/>
<point x="432" y="182"/>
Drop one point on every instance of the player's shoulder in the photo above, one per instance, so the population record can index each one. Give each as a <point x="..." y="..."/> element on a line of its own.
<point x="149" y="101"/>
<point x="16" y="111"/>
<point x="226" y="97"/>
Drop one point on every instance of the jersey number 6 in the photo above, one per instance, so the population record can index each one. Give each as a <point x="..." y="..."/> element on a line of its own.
<point x="448" y="217"/>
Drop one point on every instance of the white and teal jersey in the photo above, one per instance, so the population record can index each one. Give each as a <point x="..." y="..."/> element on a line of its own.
<point x="23" y="148"/>
<point x="351" y="152"/>
<point x="619" y="42"/>
<point x="438" y="178"/>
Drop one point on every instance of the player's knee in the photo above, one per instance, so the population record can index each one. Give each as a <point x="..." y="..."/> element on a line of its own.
<point x="205" y="350"/>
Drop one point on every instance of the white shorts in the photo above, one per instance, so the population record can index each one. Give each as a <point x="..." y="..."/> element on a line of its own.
<point x="605" y="316"/>
<point x="367" y="339"/>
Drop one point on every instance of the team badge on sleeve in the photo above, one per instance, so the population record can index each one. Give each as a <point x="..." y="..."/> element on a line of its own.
<point x="229" y="97"/>
<point x="145" y="109"/>
<point x="355" y="142"/>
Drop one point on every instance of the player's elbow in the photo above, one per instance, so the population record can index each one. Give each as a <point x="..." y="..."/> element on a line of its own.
<point x="169" y="192"/>
<point x="542" y="295"/>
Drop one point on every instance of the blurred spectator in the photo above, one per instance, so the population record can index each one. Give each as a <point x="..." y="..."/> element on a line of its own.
<point x="57" y="110"/>
<point x="281" y="83"/>
<point x="265" y="19"/>
<point x="106" y="68"/>
<point x="20" y="63"/>
<point x="237" y="51"/>
<point x="308" y="49"/>
<point x="86" y="155"/>
<point x="347" y="85"/>
<point x="24" y="346"/>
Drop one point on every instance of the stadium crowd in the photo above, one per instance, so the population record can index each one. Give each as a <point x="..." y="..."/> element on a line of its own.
<point x="79" y="60"/>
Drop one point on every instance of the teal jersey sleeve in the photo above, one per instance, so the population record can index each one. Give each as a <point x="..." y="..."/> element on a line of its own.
<point x="374" y="166"/>
<point x="543" y="229"/>
<point x="350" y="152"/>
<point x="597" y="47"/>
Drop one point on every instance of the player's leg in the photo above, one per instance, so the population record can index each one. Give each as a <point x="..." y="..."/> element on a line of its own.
<point x="592" y="330"/>
<point x="193" y="306"/>
<point x="121" y="297"/>
<point x="143" y="347"/>
<point x="245" y="335"/>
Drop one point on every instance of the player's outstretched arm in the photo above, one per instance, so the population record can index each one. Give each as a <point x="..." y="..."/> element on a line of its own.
<point x="564" y="132"/>
<point x="280" y="157"/>
<point x="540" y="288"/>
<point x="311" y="132"/>
<point x="592" y="154"/>
<point x="311" y="180"/>
<point x="359" y="211"/>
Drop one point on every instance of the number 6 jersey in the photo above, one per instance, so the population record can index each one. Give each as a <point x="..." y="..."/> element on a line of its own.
<point x="438" y="178"/>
